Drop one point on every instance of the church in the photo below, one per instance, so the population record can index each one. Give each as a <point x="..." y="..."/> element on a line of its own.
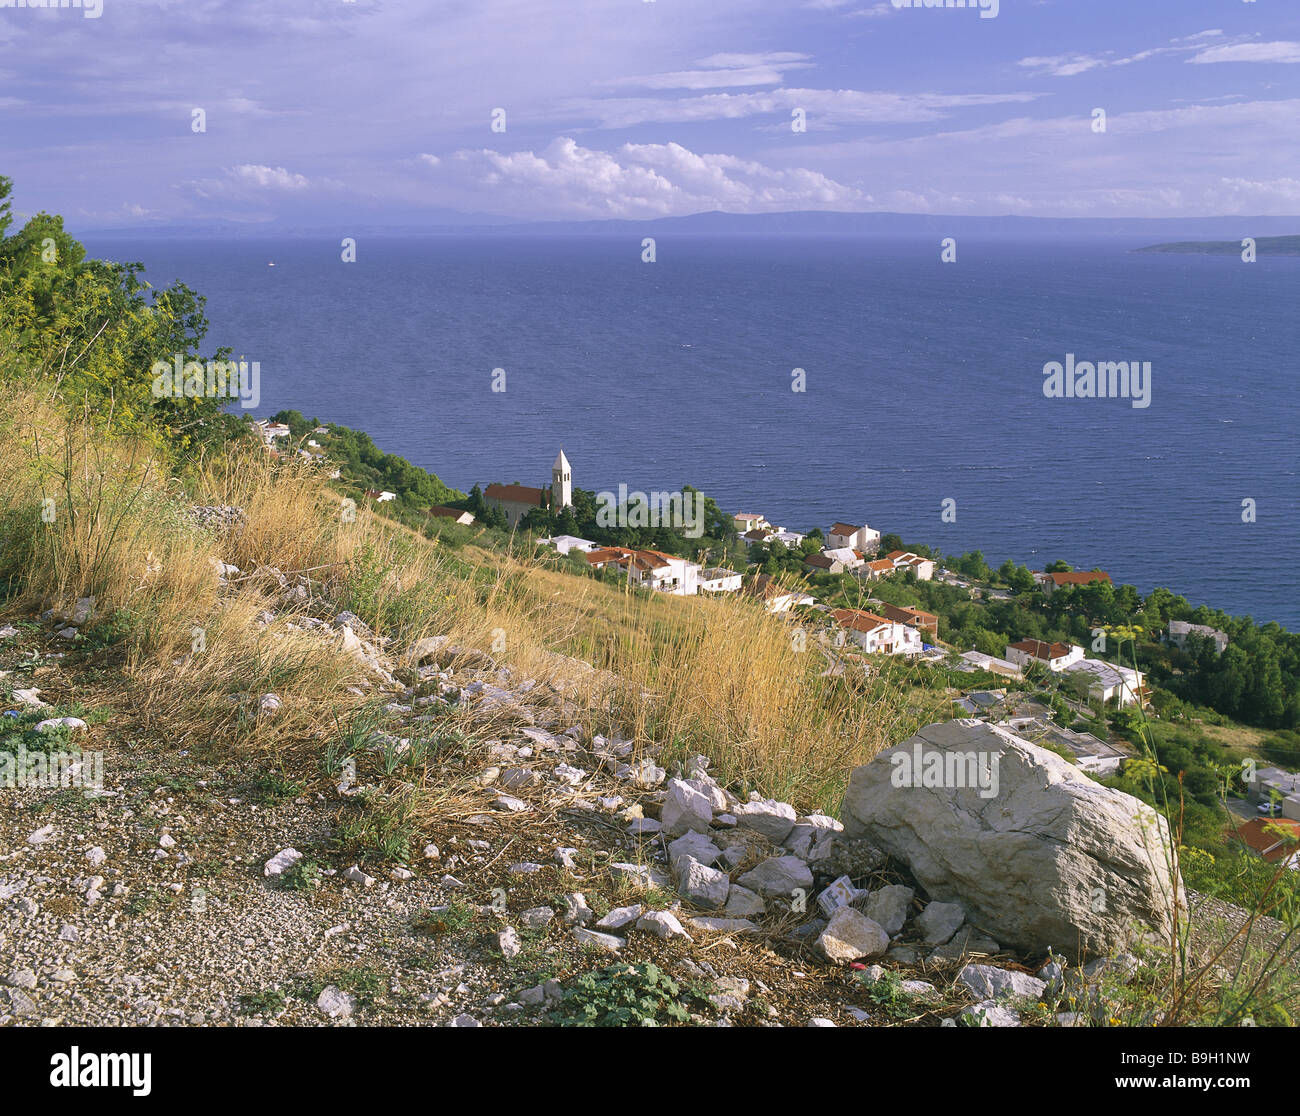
<point x="517" y="500"/>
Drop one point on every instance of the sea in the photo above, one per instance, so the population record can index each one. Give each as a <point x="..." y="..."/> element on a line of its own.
<point x="920" y="408"/>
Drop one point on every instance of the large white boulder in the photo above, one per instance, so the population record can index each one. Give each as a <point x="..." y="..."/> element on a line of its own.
<point x="1037" y="853"/>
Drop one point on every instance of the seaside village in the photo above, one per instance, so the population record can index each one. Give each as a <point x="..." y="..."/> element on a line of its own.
<point x="851" y="635"/>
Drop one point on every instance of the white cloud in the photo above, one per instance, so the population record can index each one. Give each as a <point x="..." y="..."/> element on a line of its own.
<point x="637" y="180"/>
<point x="722" y="71"/>
<point x="825" y="107"/>
<point x="1250" y="52"/>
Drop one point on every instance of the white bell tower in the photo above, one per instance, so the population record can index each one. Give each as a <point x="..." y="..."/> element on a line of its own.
<point x="561" y="483"/>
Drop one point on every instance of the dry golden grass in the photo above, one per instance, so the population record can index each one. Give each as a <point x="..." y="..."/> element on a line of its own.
<point x="719" y="677"/>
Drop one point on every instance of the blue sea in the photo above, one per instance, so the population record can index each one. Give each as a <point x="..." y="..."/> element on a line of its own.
<point x="924" y="383"/>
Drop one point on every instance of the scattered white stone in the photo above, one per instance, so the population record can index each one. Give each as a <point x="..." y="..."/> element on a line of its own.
<point x="620" y="917"/>
<point x="851" y="935"/>
<point x="989" y="982"/>
<point x="507" y="942"/>
<point x="820" y="1021"/>
<point x="607" y="942"/>
<point x="701" y="885"/>
<point x="96" y="856"/>
<point x="576" y="911"/>
<point x="465" y="1021"/>
<point x="889" y="907"/>
<point x="166" y="841"/>
<point x="72" y="723"/>
<point x="430" y="852"/>
<point x="536" y="917"/>
<point x="685" y="809"/>
<point x="662" y="924"/>
<point x="357" y="876"/>
<point x="989" y="1013"/>
<point x="772" y="819"/>
<point x="336" y="1003"/>
<point x="41" y="835"/>
<point x="722" y="925"/>
<point x="940" y="921"/>
<point x="401" y="875"/>
<point x="778" y="875"/>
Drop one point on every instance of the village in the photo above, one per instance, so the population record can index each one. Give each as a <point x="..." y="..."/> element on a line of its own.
<point x="1061" y="677"/>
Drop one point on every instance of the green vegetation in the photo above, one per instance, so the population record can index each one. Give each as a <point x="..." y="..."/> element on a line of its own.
<point x="623" y="995"/>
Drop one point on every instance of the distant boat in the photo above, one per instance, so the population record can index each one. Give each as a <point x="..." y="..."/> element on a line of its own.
<point x="271" y="264"/>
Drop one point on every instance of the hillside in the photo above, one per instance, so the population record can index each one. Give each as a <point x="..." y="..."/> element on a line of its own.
<point x="1264" y="246"/>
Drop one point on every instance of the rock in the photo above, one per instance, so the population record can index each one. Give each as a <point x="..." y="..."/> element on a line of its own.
<point x="21" y="978"/>
<point x="356" y="876"/>
<point x="989" y="1013"/>
<point x="69" y="933"/>
<point x="41" y="835"/>
<point x="465" y="1021"/>
<point x="507" y="942"/>
<point x="731" y="994"/>
<point x="534" y="918"/>
<point x="685" y="809"/>
<point x="966" y="942"/>
<point x="643" y="827"/>
<point x="576" y="911"/>
<point x="820" y="1021"/>
<point x="701" y="885"/>
<point x="336" y="1003"/>
<point x="851" y="935"/>
<point x="510" y="804"/>
<point x="82" y="611"/>
<point x="22" y="1004"/>
<point x="778" y="876"/>
<point x="813" y="837"/>
<point x="96" y="856"/>
<point x="889" y="907"/>
<point x="639" y="874"/>
<point x="662" y="924"/>
<point x="742" y="903"/>
<point x="607" y="942"/>
<point x="722" y="925"/>
<point x="1023" y="843"/>
<point x="939" y="922"/>
<point x="430" y="852"/>
<point x="401" y="875"/>
<point x="71" y="723"/>
<point x="166" y="841"/>
<point x="643" y="773"/>
<point x="1120" y="969"/>
<point x="620" y="917"/>
<point x="692" y="846"/>
<point x="989" y="982"/>
<point x="772" y="819"/>
<point x="269" y="705"/>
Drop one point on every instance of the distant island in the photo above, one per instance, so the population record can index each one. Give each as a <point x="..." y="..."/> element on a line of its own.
<point x="1264" y="246"/>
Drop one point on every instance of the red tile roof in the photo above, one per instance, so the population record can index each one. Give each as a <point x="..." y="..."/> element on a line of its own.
<point x="1040" y="649"/>
<point x="1262" y="835"/>
<point x="1079" y="577"/>
<point x="515" y="494"/>
<point x="858" y="620"/>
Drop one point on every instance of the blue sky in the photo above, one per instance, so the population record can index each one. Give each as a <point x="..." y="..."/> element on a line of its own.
<point x="380" y="111"/>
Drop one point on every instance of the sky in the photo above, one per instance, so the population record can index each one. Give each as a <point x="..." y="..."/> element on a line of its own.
<point x="382" y="111"/>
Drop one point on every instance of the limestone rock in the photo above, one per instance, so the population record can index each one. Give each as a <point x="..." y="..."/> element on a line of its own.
<point x="1021" y="838"/>
<point x="851" y="935"/>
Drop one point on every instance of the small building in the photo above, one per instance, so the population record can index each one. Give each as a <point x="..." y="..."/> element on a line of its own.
<point x="456" y="514"/>
<point x="923" y="568"/>
<point x="848" y="535"/>
<point x="650" y="569"/>
<point x="515" y="500"/>
<point x="748" y="521"/>
<point x="380" y="497"/>
<point x="1048" y="582"/>
<point x="875" y="634"/>
<point x="875" y="570"/>
<point x="926" y="622"/>
<point x="1108" y="682"/>
<point x="1179" y="630"/>
<point x="774" y="596"/>
<point x="1274" y="840"/>
<point x="718" y="580"/>
<point x="1273" y="783"/>
<point x="823" y="563"/>
<point x="977" y="660"/>
<point x="1038" y="652"/>
<point x="566" y="543"/>
<point x="759" y="535"/>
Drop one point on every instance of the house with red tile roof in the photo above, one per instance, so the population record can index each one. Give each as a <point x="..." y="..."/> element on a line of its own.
<point x="876" y="634"/>
<point x="1037" y="652"/>
<point x="1048" y="582"/>
<point x="1273" y="840"/>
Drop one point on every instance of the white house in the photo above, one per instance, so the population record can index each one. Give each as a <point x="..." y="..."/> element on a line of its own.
<point x="1108" y="682"/>
<point x="775" y="598"/>
<point x="979" y="661"/>
<point x="748" y="521"/>
<point x="651" y="569"/>
<point x="1179" y="630"/>
<point x="271" y="430"/>
<point x="1037" y="652"/>
<point x="905" y="560"/>
<point x="856" y="538"/>
<point x="849" y="558"/>
<point x="716" y="580"/>
<point x="790" y="538"/>
<point x="565" y="543"/>
<point x="876" y="635"/>
<point x="456" y="515"/>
